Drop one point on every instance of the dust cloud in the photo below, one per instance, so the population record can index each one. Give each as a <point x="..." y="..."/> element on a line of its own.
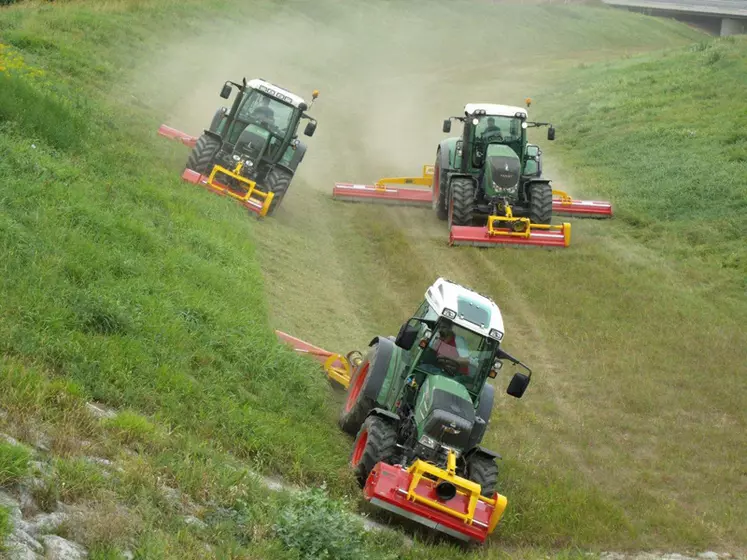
<point x="388" y="73"/>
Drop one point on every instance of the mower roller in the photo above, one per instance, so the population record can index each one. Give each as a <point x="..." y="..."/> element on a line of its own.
<point x="564" y="205"/>
<point x="419" y="404"/>
<point x="384" y="193"/>
<point x="251" y="152"/>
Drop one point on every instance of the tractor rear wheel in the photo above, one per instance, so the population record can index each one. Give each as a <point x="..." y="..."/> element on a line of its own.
<point x="201" y="158"/>
<point x="376" y="441"/>
<point x="540" y="203"/>
<point x="357" y="404"/>
<point x="278" y="180"/>
<point x="483" y="470"/>
<point x="461" y="202"/>
<point x="438" y="191"/>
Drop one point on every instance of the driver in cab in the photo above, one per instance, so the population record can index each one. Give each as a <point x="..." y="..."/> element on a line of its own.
<point x="491" y="129"/>
<point x="452" y="348"/>
<point x="263" y="112"/>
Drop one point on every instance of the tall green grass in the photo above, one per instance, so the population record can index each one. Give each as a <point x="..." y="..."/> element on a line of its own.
<point x="663" y="136"/>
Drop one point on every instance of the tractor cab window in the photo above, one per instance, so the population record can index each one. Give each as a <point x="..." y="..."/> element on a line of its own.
<point x="266" y="112"/>
<point x="491" y="128"/>
<point x="458" y="353"/>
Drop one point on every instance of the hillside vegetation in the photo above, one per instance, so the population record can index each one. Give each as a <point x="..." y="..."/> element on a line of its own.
<point x="124" y="286"/>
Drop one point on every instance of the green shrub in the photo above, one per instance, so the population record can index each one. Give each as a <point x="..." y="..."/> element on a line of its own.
<point x="318" y="527"/>
<point x="14" y="462"/>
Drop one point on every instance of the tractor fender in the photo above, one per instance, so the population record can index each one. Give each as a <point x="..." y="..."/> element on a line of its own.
<point x="217" y="118"/>
<point x="444" y="155"/>
<point x="385" y="415"/>
<point x="477" y="450"/>
<point x="377" y="375"/>
<point x="298" y="155"/>
<point x="484" y="409"/>
<point x="528" y="184"/>
<point x="212" y="134"/>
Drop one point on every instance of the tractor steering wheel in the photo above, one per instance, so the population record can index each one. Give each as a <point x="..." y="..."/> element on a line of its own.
<point x="450" y="365"/>
<point x="493" y="136"/>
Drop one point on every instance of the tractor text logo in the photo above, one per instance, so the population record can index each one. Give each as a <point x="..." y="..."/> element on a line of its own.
<point x="276" y="94"/>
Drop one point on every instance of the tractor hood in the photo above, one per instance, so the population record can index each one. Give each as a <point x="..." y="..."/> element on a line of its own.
<point x="251" y="142"/>
<point x="502" y="171"/>
<point x="444" y="412"/>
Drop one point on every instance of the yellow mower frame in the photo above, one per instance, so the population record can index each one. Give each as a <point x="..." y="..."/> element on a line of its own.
<point x="522" y="227"/>
<point x="425" y="180"/>
<point x="422" y="469"/>
<point x="251" y="187"/>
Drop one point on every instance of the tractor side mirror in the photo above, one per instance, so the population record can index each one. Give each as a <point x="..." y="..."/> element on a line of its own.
<point x="551" y="133"/>
<point x="310" y="128"/>
<point x="407" y="334"/>
<point x="519" y="384"/>
<point x="447" y="126"/>
<point x="225" y="93"/>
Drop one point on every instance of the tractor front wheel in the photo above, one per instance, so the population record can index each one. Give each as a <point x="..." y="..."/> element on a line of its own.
<point x="278" y="180"/>
<point x="201" y="158"/>
<point x="461" y="202"/>
<point x="483" y="470"/>
<point x="357" y="404"/>
<point x="540" y="203"/>
<point x="376" y="442"/>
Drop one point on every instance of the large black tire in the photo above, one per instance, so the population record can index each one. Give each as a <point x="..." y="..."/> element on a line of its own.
<point x="278" y="180"/>
<point x="540" y="203"/>
<point x="357" y="404"/>
<point x="376" y="441"/>
<point x="483" y="470"/>
<point x="439" y="202"/>
<point x="201" y="157"/>
<point x="461" y="202"/>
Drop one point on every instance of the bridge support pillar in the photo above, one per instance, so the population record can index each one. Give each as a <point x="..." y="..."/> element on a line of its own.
<point x="732" y="26"/>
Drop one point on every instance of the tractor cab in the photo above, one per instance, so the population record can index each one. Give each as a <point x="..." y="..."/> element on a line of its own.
<point x="457" y="333"/>
<point x="261" y="127"/>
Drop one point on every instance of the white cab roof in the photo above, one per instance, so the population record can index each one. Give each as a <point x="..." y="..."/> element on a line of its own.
<point x="444" y="294"/>
<point x="492" y="109"/>
<point x="275" y="91"/>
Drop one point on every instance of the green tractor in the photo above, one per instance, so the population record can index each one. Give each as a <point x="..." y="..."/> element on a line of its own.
<point x="491" y="170"/>
<point x="418" y="406"/>
<point x="254" y="144"/>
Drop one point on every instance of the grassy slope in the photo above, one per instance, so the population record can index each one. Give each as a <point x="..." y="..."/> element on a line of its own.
<point x="164" y="346"/>
<point x="624" y="473"/>
<point x="117" y="288"/>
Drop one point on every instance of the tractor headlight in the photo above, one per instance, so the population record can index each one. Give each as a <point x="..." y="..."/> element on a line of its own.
<point x="449" y="314"/>
<point x="428" y="441"/>
<point x="507" y="190"/>
<point x="496" y="334"/>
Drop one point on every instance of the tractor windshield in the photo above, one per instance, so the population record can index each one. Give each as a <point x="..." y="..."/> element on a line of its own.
<point x="498" y="129"/>
<point x="267" y="112"/>
<point x="459" y="353"/>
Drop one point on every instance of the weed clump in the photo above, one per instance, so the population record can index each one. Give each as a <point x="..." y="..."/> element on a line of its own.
<point x="318" y="527"/>
<point x="14" y="463"/>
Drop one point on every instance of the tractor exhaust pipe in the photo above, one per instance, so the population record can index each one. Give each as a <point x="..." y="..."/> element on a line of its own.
<point x="445" y="491"/>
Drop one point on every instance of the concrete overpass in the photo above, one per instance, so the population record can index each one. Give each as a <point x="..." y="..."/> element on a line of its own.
<point x="727" y="17"/>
